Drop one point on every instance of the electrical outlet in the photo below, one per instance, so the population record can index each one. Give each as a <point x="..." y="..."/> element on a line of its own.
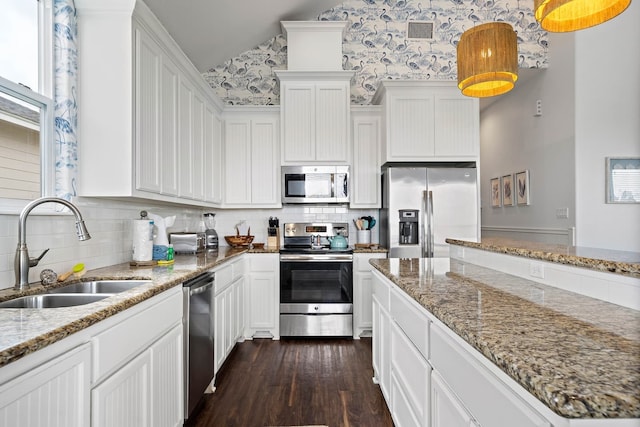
<point x="536" y="269"/>
<point x="562" y="213"/>
<point x="538" y="108"/>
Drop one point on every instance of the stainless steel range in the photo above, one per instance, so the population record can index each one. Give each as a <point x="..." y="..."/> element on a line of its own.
<point x="316" y="280"/>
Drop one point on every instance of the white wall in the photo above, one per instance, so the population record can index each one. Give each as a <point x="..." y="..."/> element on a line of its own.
<point x="512" y="139"/>
<point x="590" y="109"/>
<point x="607" y="124"/>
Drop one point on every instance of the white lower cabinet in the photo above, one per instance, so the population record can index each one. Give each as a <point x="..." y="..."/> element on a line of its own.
<point x="123" y="400"/>
<point x="362" y="291"/>
<point x="54" y="394"/>
<point x="138" y="366"/>
<point x="229" y="302"/>
<point x="434" y="378"/>
<point x="410" y="374"/>
<point x="263" y="296"/>
<point x="446" y="408"/>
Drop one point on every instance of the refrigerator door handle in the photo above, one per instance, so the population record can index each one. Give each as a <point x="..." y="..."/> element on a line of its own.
<point x="424" y="226"/>
<point x="430" y="235"/>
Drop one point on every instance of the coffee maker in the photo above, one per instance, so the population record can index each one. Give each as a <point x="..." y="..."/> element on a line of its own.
<point x="211" y="237"/>
<point x="408" y="232"/>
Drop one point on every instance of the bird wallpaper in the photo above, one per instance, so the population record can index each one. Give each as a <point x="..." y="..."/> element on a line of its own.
<point x="376" y="46"/>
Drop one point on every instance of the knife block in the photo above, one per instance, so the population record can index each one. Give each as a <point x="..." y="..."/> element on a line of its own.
<point x="273" y="237"/>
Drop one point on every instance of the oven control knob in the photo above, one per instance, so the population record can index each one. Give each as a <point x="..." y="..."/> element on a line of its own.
<point x="316" y="308"/>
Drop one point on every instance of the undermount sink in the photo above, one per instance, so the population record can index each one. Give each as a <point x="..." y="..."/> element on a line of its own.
<point x="53" y="300"/>
<point x="74" y="294"/>
<point x="99" y="287"/>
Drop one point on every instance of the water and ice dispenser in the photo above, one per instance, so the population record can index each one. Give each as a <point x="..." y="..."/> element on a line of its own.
<point x="408" y="226"/>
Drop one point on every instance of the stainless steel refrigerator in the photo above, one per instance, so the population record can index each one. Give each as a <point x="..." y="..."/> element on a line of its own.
<point x="424" y="204"/>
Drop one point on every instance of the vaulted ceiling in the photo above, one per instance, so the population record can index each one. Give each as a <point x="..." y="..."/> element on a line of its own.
<point x="202" y="27"/>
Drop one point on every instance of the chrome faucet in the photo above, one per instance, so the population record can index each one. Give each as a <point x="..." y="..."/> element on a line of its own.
<point x="22" y="261"/>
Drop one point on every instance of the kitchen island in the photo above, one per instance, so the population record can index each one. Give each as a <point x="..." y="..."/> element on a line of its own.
<point x="578" y="356"/>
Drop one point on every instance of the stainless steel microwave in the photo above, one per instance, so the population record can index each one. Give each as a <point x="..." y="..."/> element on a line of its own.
<point x="315" y="184"/>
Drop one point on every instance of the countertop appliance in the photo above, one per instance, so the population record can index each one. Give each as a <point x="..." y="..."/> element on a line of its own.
<point x="424" y="204"/>
<point x="211" y="236"/>
<point x="315" y="184"/>
<point x="316" y="281"/>
<point x="198" y="338"/>
<point x="187" y="243"/>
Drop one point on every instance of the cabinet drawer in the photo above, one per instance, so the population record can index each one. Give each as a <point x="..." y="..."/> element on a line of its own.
<point x="238" y="268"/>
<point x="381" y="290"/>
<point x="412" y="372"/>
<point x="361" y="261"/>
<point x="488" y="399"/>
<point x="224" y="277"/>
<point x="122" y="342"/>
<point x="264" y="263"/>
<point x="413" y="322"/>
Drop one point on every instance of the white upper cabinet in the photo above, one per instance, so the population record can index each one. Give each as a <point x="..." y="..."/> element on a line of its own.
<point x="315" y="117"/>
<point x="365" y="171"/>
<point x="251" y="153"/>
<point x="428" y="121"/>
<point x="145" y="116"/>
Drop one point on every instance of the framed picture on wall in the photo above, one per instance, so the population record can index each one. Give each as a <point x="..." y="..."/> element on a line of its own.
<point x="507" y="190"/>
<point x="496" y="193"/>
<point x="522" y="188"/>
<point x="623" y="180"/>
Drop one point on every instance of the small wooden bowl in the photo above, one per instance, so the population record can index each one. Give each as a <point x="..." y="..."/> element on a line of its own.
<point x="258" y="246"/>
<point x="239" y="241"/>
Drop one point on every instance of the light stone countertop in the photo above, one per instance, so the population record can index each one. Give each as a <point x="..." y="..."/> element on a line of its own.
<point x="611" y="261"/>
<point x="24" y="331"/>
<point x="578" y="355"/>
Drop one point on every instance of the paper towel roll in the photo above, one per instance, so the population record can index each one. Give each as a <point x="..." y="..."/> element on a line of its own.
<point x="142" y="240"/>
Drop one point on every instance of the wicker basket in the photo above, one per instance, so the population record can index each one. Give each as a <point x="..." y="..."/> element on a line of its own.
<point x="239" y="241"/>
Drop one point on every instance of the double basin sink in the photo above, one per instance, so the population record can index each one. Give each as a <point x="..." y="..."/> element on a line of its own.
<point x="75" y="294"/>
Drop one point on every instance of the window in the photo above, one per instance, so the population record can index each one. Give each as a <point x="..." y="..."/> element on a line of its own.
<point x="26" y="109"/>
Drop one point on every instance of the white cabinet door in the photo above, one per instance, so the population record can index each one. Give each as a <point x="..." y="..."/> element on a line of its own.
<point x="263" y="296"/>
<point x="212" y="156"/>
<point x="332" y="122"/>
<point x="362" y="293"/>
<point x="298" y="122"/>
<point x="365" y="174"/>
<point x="169" y="78"/>
<point x="412" y="374"/>
<point x="457" y="126"/>
<point x="237" y="152"/>
<point x="381" y="346"/>
<point x="446" y="409"/>
<point x="410" y="123"/>
<point x="231" y="303"/>
<point x="197" y="147"/>
<point x="221" y="327"/>
<point x="55" y="394"/>
<point x="148" y="63"/>
<point x="124" y="399"/>
<point x="185" y="140"/>
<point x="167" y="396"/>
<point x="252" y="172"/>
<point x="265" y="173"/>
<point x="240" y="317"/>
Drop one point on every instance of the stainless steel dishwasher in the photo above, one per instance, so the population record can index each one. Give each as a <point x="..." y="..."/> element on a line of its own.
<point x="198" y="338"/>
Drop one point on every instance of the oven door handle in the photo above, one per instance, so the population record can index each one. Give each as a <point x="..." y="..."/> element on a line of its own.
<point x="316" y="258"/>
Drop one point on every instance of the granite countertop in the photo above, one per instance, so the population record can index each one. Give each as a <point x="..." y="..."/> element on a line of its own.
<point x="578" y="355"/>
<point x="612" y="261"/>
<point x="24" y="331"/>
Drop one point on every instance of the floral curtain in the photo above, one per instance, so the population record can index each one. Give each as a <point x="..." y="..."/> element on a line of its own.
<point x="65" y="52"/>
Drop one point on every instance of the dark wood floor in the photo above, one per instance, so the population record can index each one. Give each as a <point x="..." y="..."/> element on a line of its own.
<point x="296" y="382"/>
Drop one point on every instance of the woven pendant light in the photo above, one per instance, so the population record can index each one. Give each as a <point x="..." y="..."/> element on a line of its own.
<point x="487" y="60"/>
<point x="569" y="15"/>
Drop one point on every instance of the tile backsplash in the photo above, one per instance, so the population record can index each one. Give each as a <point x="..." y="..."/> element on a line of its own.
<point x="109" y="223"/>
